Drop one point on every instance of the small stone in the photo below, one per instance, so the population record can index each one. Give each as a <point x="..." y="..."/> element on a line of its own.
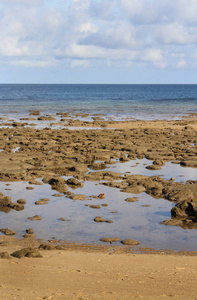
<point x="95" y="206"/>
<point x="29" y="188"/>
<point x="62" y="219"/>
<point x="130" y="242"/>
<point x="104" y="204"/>
<point x="99" y="219"/>
<point x="101" y="196"/>
<point x="41" y="202"/>
<point x="133" y="199"/>
<point x="110" y="240"/>
<point x="27" y="235"/>
<point x="21" y="201"/>
<point x="30" y="230"/>
<point x="78" y="197"/>
<point x="36" y="217"/>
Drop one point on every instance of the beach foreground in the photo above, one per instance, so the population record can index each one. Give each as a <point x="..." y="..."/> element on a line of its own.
<point x="97" y="274"/>
<point x="72" y="271"/>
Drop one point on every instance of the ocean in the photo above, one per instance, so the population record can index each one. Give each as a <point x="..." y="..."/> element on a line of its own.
<point x="118" y="101"/>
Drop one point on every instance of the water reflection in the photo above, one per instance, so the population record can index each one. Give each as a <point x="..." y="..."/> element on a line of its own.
<point x="139" y="220"/>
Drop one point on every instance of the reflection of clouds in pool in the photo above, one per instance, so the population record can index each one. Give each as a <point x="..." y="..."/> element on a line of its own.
<point x="167" y="171"/>
<point x="133" y="220"/>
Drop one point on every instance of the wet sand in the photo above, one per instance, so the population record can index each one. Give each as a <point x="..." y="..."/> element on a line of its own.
<point x="99" y="272"/>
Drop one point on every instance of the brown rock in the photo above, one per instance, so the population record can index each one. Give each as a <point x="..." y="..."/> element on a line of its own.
<point x="133" y="199"/>
<point x="30" y="230"/>
<point x="99" y="219"/>
<point x="78" y="197"/>
<point x="27" y="252"/>
<point x="36" y="217"/>
<point x="95" y="206"/>
<point x="27" y="235"/>
<point x="5" y="255"/>
<point x="110" y="240"/>
<point x="130" y="242"/>
<point x="21" y="201"/>
<point x="8" y="231"/>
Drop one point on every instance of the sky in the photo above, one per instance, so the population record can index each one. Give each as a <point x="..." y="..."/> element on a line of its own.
<point x="98" y="41"/>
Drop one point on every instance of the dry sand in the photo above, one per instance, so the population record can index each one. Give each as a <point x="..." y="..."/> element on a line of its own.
<point x="94" y="272"/>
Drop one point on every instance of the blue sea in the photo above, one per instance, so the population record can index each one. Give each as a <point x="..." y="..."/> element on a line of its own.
<point x="117" y="101"/>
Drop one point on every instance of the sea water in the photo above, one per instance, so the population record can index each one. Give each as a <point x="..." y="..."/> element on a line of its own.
<point x="119" y="101"/>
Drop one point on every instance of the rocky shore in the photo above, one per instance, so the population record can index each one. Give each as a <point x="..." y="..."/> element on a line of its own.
<point x="49" y="153"/>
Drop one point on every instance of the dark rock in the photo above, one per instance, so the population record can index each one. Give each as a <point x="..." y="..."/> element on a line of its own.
<point x="27" y="252"/>
<point x="46" y="247"/>
<point x="30" y="230"/>
<point x="57" y="183"/>
<point x="74" y="182"/>
<point x="184" y="209"/>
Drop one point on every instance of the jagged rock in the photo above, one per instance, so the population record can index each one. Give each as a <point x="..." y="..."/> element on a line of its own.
<point x="27" y="252"/>
<point x="57" y="183"/>
<point x="184" y="209"/>
<point x="74" y="182"/>
<point x="8" y="231"/>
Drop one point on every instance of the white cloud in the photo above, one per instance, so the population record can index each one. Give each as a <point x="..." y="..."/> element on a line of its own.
<point x="80" y="63"/>
<point x="176" y="33"/>
<point x="130" y="31"/>
<point x="181" y="64"/>
<point x="153" y="55"/>
<point x="32" y="63"/>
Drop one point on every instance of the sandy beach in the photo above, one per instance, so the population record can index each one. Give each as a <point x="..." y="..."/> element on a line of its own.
<point x="60" y="270"/>
<point x="75" y="274"/>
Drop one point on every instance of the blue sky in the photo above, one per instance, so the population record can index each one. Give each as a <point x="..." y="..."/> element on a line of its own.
<point x="98" y="41"/>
